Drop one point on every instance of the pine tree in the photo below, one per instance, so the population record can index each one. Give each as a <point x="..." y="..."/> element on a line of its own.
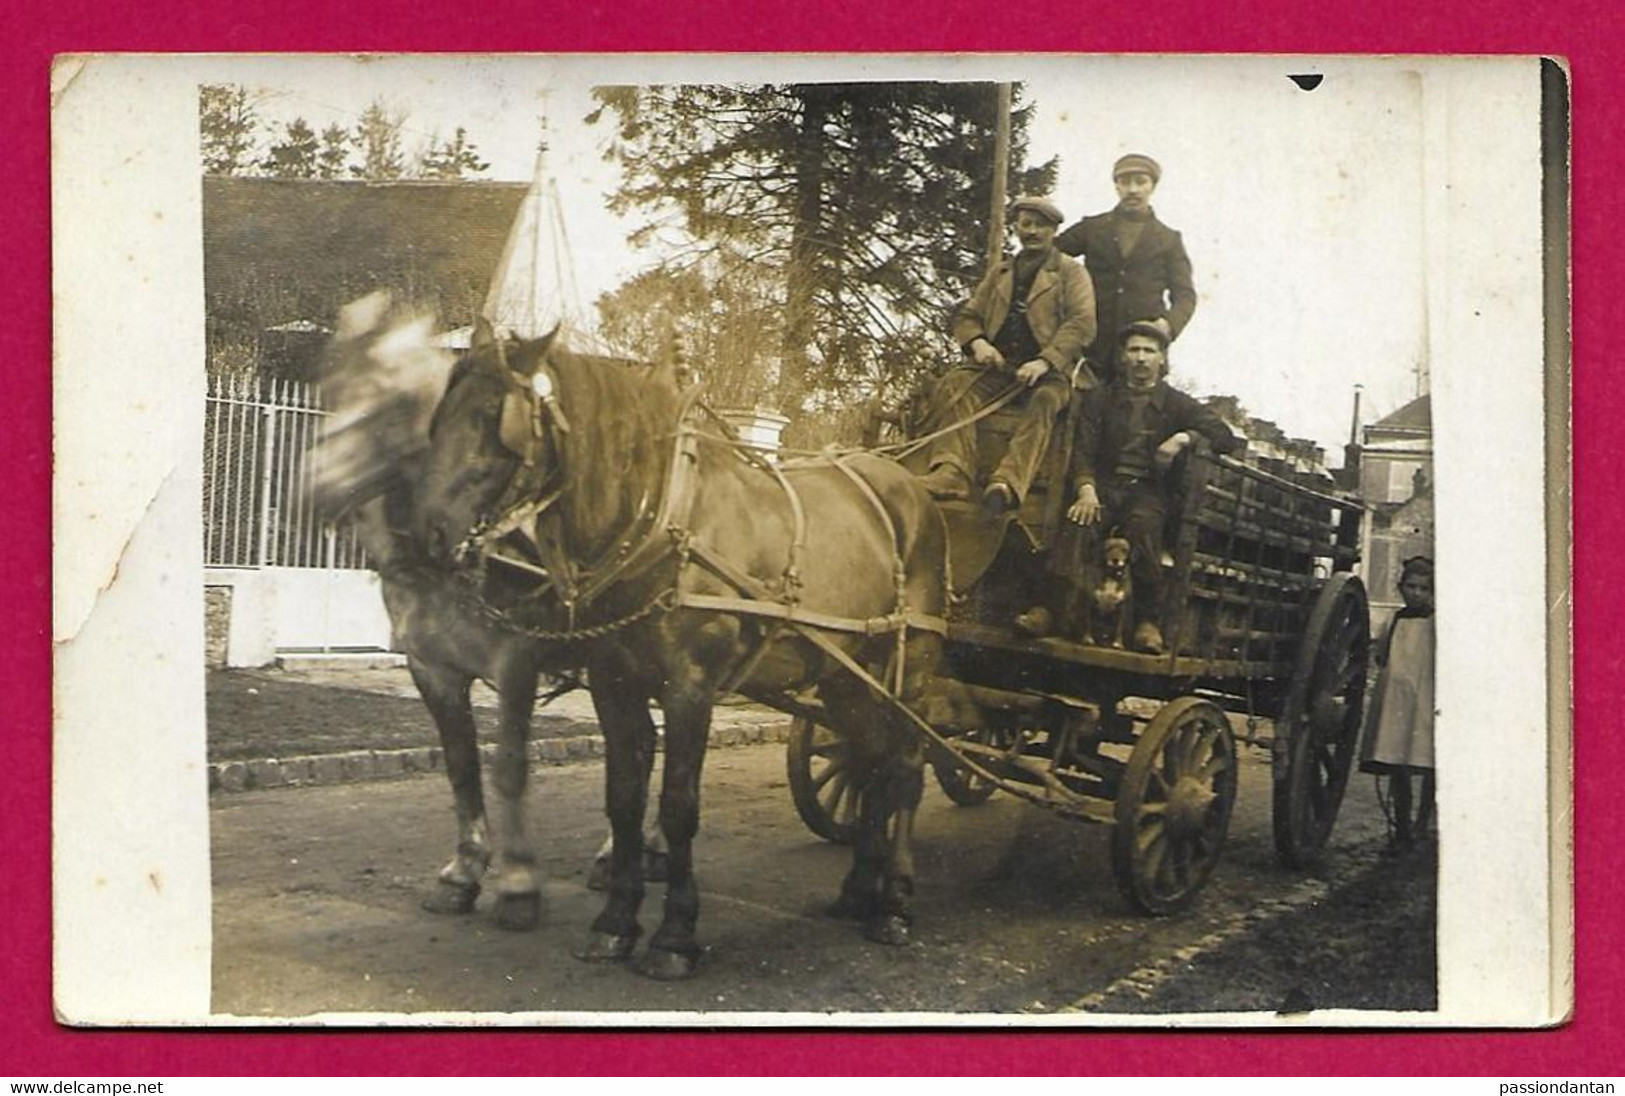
<point x="869" y="202"/>
<point x="295" y="156"/>
<point x="378" y="139"/>
<point x="334" y="154"/>
<point x="455" y="159"/>
<point x="228" y="128"/>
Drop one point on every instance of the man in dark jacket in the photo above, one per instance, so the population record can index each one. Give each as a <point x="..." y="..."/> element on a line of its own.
<point x="1138" y="264"/>
<point x="1028" y="322"/>
<point x="1125" y="436"/>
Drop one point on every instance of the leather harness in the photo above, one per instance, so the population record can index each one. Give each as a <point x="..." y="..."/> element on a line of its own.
<point x="662" y="529"/>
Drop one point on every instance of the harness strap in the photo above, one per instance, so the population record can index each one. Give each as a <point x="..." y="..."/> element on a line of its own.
<point x="669" y="520"/>
<point x="796" y="614"/>
<point x="1003" y="399"/>
<point x="798" y="512"/>
<point x="798" y="537"/>
<point x="899" y="573"/>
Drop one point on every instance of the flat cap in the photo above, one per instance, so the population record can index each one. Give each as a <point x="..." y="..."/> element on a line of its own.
<point x="1041" y="206"/>
<point x="1149" y="328"/>
<point x="1137" y="162"/>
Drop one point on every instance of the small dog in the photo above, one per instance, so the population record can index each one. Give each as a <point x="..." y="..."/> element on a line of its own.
<point x="1111" y="603"/>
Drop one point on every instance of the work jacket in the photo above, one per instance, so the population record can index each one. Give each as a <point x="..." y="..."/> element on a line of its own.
<point x="1151" y="282"/>
<point x="1060" y="309"/>
<point x="1100" y="428"/>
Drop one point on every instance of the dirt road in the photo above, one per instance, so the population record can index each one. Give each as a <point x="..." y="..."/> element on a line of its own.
<point x="317" y="889"/>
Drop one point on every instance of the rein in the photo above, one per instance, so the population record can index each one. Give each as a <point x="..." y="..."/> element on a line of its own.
<point x="902" y="449"/>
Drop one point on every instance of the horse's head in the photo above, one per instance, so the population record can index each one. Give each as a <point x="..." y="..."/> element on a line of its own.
<point x="500" y="413"/>
<point x="381" y="377"/>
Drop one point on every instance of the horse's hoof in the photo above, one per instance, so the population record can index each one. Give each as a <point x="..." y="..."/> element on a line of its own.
<point x="598" y="878"/>
<point x="667" y="966"/>
<point x="891" y="929"/>
<point x="518" y="912"/>
<point x="451" y="898"/>
<point x="604" y="947"/>
<point x="654" y="867"/>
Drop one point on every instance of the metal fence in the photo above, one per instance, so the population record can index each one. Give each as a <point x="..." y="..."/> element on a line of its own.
<point x="257" y="510"/>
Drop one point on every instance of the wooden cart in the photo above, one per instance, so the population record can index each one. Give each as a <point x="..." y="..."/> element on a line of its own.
<point x="1264" y="619"/>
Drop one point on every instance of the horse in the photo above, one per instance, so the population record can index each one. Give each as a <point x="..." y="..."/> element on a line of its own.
<point x="691" y="567"/>
<point x="381" y="378"/>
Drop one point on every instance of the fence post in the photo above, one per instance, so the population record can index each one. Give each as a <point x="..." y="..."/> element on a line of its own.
<point x="265" y="476"/>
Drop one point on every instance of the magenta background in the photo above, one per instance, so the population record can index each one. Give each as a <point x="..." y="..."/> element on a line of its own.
<point x="30" y="1040"/>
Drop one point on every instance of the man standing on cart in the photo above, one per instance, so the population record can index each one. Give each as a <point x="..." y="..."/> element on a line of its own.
<point x="1138" y="265"/>
<point x="1125" y="437"/>
<point x="1027" y="322"/>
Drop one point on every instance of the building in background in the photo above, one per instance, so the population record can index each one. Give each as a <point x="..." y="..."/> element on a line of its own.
<point x="1396" y="481"/>
<point x="280" y="258"/>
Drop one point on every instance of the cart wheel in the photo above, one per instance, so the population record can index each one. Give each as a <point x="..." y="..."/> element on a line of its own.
<point x="960" y="784"/>
<point x="1173" y="806"/>
<point x="1319" y="723"/>
<point x="820" y="781"/>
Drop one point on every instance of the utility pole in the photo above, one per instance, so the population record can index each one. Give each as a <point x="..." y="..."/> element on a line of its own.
<point x="1001" y="172"/>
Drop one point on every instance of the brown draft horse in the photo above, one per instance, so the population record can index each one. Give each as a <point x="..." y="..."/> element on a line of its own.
<point x="689" y="567"/>
<point x="381" y="379"/>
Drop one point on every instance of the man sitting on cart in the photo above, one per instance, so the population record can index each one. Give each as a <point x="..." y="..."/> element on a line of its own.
<point x="1028" y="322"/>
<point x="1125" y="437"/>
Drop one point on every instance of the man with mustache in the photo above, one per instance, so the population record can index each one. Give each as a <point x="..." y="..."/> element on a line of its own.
<point x="1138" y="265"/>
<point x="1125" y="437"/>
<point x="1028" y="321"/>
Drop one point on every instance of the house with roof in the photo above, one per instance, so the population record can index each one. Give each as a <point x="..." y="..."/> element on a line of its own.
<point x="1396" y="481"/>
<point x="281" y="256"/>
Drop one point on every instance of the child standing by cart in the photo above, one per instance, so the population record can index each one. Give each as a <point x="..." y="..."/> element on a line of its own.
<point x="1399" y="732"/>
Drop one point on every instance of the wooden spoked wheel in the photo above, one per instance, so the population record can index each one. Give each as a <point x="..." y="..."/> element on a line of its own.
<point x="1173" y="806"/>
<point x="959" y="783"/>
<point x="1319" y="725"/>
<point x="818" y="764"/>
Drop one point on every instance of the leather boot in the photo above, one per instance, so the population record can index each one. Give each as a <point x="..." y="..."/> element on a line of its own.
<point x="999" y="499"/>
<point x="1148" y="638"/>
<point x="1035" y="622"/>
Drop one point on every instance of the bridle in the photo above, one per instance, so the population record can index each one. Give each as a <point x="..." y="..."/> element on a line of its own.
<point x="532" y="425"/>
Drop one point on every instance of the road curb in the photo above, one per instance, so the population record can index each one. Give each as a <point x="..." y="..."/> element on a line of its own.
<point x="358" y="766"/>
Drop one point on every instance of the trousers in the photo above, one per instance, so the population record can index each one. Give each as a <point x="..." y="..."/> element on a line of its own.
<point x="1138" y="511"/>
<point x="964" y="390"/>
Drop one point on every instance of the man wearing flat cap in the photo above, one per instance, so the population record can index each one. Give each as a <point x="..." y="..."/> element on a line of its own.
<point x="1138" y="264"/>
<point x="1125" y="437"/>
<point x="1028" y="321"/>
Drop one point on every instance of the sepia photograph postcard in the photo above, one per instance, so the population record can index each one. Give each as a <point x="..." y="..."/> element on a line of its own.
<point x="953" y="541"/>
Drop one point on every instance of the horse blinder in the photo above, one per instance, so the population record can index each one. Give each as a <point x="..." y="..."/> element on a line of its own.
<point x="525" y="409"/>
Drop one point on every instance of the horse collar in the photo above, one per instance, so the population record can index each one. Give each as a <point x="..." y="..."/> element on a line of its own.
<point x="530" y="508"/>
